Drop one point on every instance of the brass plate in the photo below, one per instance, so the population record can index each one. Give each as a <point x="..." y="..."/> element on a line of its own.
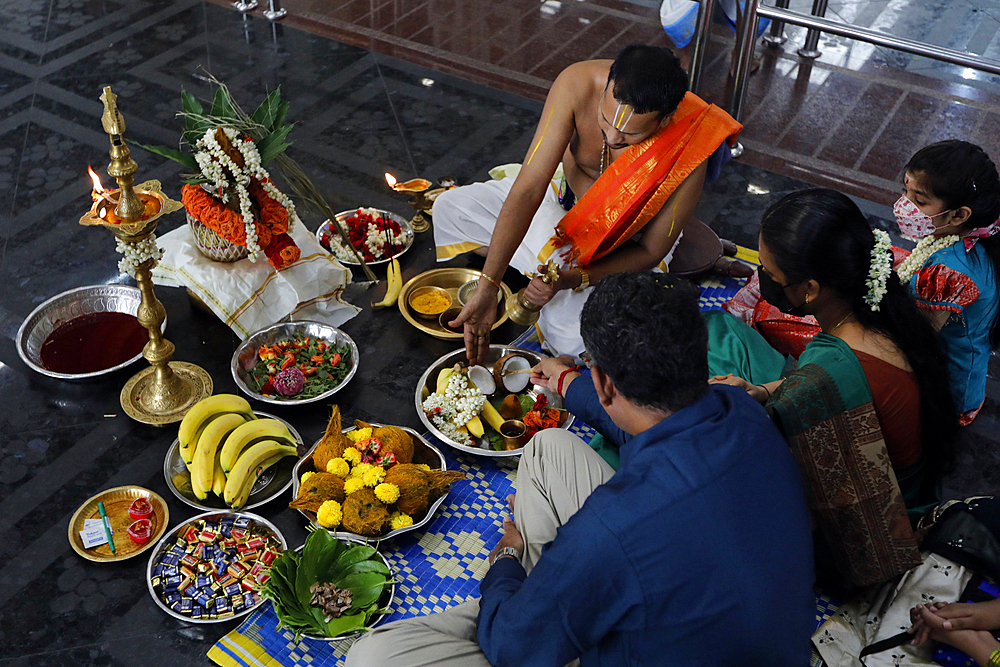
<point x="116" y="503"/>
<point x="450" y="280"/>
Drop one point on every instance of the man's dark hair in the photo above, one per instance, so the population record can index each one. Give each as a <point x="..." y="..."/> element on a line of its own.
<point x="645" y="332"/>
<point x="648" y="78"/>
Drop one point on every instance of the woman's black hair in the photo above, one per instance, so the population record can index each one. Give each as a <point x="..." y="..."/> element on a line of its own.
<point x="962" y="174"/>
<point x="820" y="234"/>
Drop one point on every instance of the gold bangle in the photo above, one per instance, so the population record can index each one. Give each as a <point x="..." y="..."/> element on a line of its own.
<point x="492" y="280"/>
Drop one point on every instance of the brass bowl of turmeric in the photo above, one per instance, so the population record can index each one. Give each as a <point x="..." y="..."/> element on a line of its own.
<point x="429" y="302"/>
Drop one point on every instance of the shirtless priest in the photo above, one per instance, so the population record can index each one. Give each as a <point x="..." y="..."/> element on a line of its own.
<point x="635" y="149"/>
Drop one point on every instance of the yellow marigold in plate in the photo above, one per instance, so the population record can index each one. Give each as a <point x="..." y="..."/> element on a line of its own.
<point x="359" y="470"/>
<point x="423" y="466"/>
<point x="359" y="434"/>
<point x="352" y="456"/>
<point x="305" y="476"/>
<point x="373" y="476"/>
<point x="399" y="520"/>
<point x="387" y="493"/>
<point x="330" y="514"/>
<point x="338" y="467"/>
<point x="353" y="484"/>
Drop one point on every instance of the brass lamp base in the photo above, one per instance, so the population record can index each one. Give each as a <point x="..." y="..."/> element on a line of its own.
<point x="144" y="401"/>
<point x="419" y="223"/>
<point x="520" y="311"/>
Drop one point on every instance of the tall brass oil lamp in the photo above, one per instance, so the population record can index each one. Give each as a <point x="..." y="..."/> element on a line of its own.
<point x="521" y="311"/>
<point x="423" y="199"/>
<point x="164" y="392"/>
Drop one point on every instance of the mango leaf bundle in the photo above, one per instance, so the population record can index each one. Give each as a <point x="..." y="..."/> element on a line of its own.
<point x="327" y="560"/>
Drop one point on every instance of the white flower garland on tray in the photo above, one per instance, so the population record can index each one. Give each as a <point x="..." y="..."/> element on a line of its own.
<point x="878" y="272"/>
<point x="926" y="247"/>
<point x="211" y="159"/>
<point x="461" y="401"/>
<point x="137" y="253"/>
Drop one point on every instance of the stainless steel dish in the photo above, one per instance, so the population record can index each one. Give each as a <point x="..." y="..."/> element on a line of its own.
<point x="384" y="600"/>
<point x="428" y="381"/>
<point x="169" y="538"/>
<point x="423" y="452"/>
<point x="271" y="484"/>
<point x="246" y="356"/>
<point x="64" y="307"/>
<point x="327" y="230"/>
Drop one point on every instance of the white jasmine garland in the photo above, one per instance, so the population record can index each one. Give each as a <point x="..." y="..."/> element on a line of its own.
<point x="214" y="162"/>
<point x="137" y="253"/>
<point x="878" y="272"/>
<point x="460" y="403"/>
<point x="926" y="247"/>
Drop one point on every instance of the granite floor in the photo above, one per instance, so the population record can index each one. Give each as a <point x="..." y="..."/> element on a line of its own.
<point x="359" y="111"/>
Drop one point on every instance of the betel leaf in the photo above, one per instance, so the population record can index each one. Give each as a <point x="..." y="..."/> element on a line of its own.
<point x="365" y="566"/>
<point x="185" y="159"/>
<point x="344" y="624"/>
<point x="267" y="111"/>
<point x="355" y="554"/>
<point x="363" y="597"/>
<point x="222" y="105"/>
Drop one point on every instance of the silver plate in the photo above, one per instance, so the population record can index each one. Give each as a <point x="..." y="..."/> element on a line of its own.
<point x="64" y="307"/>
<point x="391" y="590"/>
<point x="169" y="537"/>
<point x="429" y="380"/>
<point x="327" y="228"/>
<point x="423" y="452"/>
<point x="246" y="356"/>
<point x="268" y="486"/>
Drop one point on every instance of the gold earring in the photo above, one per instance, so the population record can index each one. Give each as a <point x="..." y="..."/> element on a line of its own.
<point x="807" y="299"/>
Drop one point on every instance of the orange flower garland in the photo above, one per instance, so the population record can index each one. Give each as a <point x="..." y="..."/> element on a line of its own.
<point x="271" y="223"/>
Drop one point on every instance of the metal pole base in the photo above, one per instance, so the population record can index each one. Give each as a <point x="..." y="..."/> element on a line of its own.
<point x="245" y="6"/>
<point x="737" y="150"/>
<point x="274" y="16"/>
<point x="771" y="40"/>
<point x="809" y="53"/>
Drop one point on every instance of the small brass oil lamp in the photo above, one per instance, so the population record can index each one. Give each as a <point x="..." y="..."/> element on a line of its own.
<point x="164" y="392"/>
<point x="521" y="311"/>
<point x="423" y="198"/>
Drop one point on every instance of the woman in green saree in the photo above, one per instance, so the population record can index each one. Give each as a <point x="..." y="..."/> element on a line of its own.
<point x="867" y="412"/>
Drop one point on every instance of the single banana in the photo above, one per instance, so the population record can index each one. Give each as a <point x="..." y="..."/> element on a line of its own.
<point x="244" y="494"/>
<point x="491" y="415"/>
<point x="250" y="432"/>
<point x="201" y="414"/>
<point x="443" y="377"/>
<point x="394" y="283"/>
<point x="475" y="427"/>
<point x="245" y="471"/>
<point x="203" y="465"/>
<point x="219" y="479"/>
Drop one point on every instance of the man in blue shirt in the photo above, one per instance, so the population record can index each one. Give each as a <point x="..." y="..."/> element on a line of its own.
<point x="697" y="551"/>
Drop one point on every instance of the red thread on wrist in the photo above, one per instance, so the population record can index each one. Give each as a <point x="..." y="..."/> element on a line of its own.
<point x="563" y="375"/>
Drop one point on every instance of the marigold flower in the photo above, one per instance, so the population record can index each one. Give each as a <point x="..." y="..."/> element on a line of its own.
<point x="387" y="493"/>
<point x="359" y="434"/>
<point x="373" y="476"/>
<point x="423" y="466"/>
<point x="353" y="484"/>
<point x="338" y="467"/>
<point x="330" y="514"/>
<point x="352" y="456"/>
<point x="399" y="520"/>
<point x="305" y="476"/>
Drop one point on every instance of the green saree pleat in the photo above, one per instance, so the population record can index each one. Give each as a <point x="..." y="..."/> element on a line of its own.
<point x="733" y="347"/>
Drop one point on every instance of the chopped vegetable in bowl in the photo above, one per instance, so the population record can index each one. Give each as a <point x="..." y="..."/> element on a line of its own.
<point x="299" y="368"/>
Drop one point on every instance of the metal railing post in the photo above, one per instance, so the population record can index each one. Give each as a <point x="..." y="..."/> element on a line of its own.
<point x="776" y="36"/>
<point x="245" y="5"/>
<point x="701" y="30"/>
<point x="744" y="48"/>
<point x="809" y="49"/>
<point x="275" y="11"/>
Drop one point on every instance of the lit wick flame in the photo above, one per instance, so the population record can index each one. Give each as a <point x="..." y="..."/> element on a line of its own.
<point x="391" y="180"/>
<point x="98" y="188"/>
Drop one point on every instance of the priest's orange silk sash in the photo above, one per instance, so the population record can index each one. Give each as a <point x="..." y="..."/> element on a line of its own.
<point x="638" y="183"/>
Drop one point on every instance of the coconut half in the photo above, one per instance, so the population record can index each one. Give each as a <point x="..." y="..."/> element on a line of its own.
<point x="483" y="380"/>
<point x="505" y="378"/>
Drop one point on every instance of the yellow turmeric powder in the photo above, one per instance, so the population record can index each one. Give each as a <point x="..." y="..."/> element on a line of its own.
<point x="430" y="303"/>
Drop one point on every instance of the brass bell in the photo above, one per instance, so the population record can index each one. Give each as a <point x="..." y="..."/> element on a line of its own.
<point x="521" y="311"/>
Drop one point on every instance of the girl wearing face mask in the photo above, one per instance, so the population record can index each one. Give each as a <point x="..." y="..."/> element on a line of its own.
<point x="875" y="356"/>
<point x="950" y="204"/>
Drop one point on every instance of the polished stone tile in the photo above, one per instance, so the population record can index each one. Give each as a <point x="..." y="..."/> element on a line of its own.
<point x="902" y="137"/>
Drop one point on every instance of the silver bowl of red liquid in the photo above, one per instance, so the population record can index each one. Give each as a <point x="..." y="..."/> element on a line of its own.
<point x="84" y="333"/>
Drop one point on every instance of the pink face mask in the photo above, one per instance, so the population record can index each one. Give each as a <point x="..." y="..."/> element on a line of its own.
<point x="913" y="223"/>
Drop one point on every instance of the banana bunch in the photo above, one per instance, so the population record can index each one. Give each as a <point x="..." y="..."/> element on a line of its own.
<point x="226" y="447"/>
<point x="394" y="280"/>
